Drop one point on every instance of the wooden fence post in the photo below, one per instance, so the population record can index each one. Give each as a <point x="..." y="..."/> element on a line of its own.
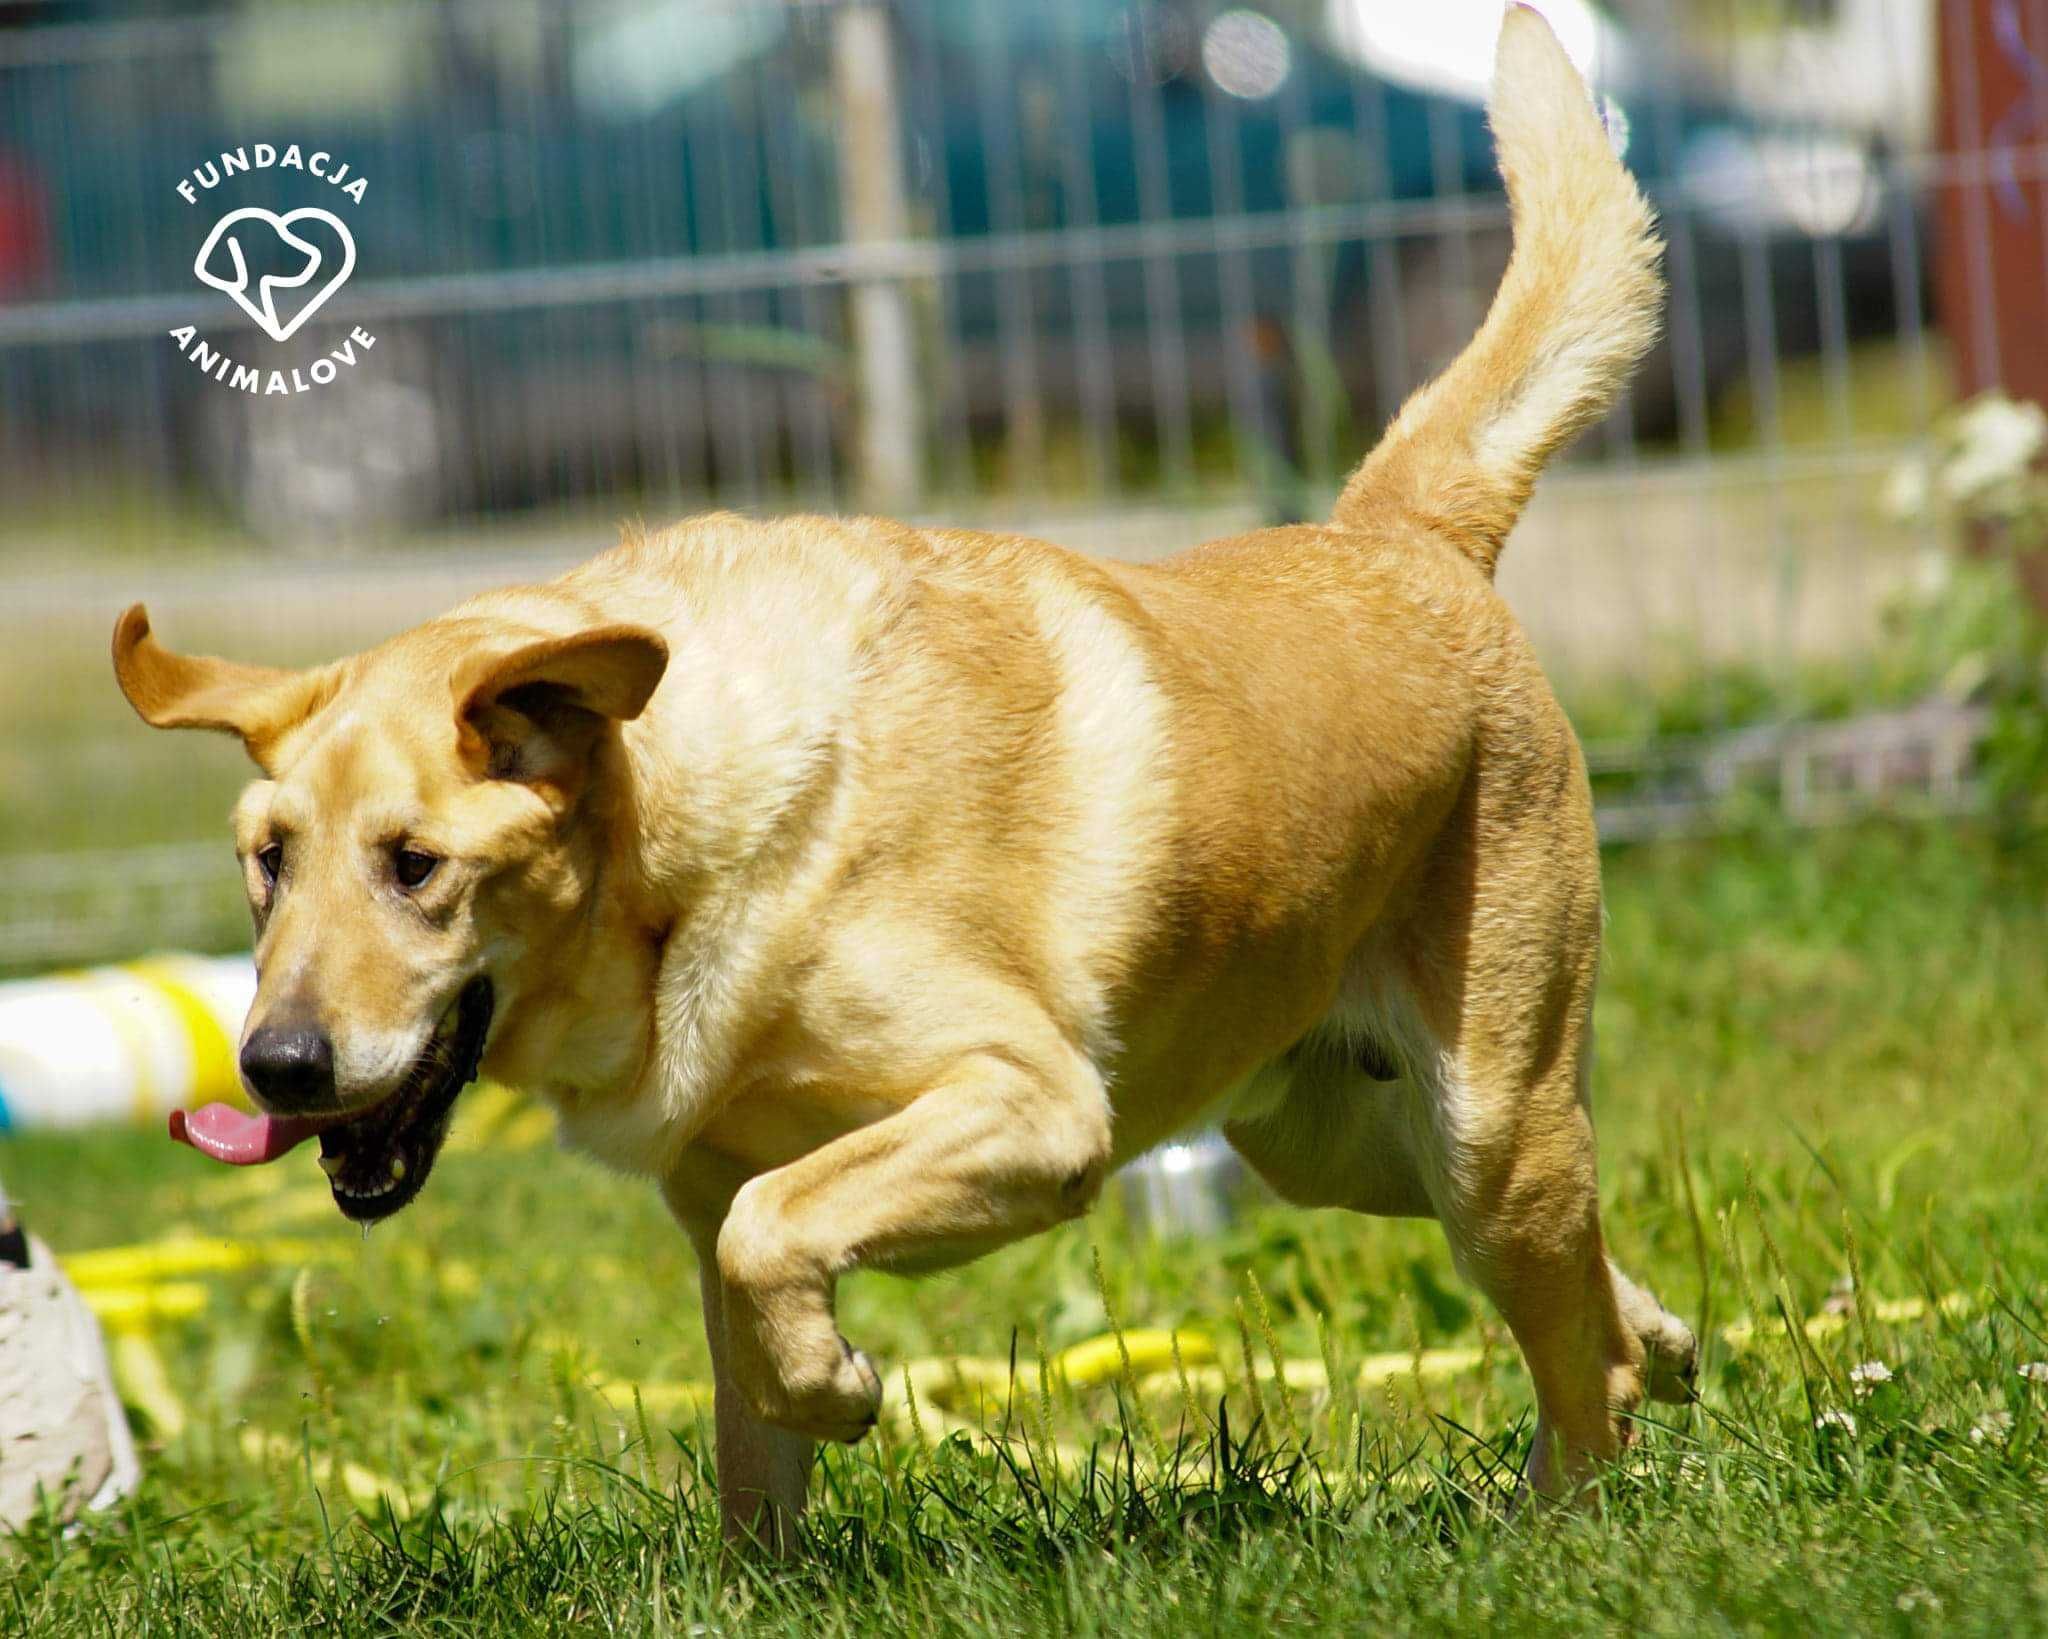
<point x="875" y="209"/>
<point x="1991" y="266"/>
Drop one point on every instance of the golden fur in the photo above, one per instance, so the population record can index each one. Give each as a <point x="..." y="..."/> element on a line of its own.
<point x="878" y="890"/>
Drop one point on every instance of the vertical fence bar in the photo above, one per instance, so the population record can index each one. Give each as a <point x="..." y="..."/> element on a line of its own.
<point x="591" y="458"/>
<point x="1310" y="354"/>
<point x="1832" y="294"/>
<point x="732" y="406"/>
<point x="1164" y="332"/>
<point x="1016" y="327"/>
<point x="1251" y="439"/>
<point x="1453" y="260"/>
<point x="929" y="65"/>
<point x="793" y="204"/>
<point x="1393" y="367"/>
<point x="1093" y="366"/>
<point x="874" y="209"/>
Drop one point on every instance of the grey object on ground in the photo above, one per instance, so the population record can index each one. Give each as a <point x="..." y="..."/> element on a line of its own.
<point x="1187" y="1188"/>
<point x="63" y="1434"/>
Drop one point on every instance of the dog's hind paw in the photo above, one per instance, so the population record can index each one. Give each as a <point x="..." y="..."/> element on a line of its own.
<point x="1671" y="1354"/>
<point x="1672" y="1367"/>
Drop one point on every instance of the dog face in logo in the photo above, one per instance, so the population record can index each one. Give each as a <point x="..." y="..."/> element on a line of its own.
<point x="237" y="253"/>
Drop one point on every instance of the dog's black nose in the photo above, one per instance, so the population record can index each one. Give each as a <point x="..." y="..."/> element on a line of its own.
<point x="290" y="1068"/>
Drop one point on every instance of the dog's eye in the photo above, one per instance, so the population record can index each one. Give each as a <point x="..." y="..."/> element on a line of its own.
<point x="413" y="867"/>
<point x="270" y="861"/>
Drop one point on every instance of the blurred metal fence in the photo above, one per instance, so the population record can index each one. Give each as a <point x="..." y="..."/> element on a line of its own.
<point x="1121" y="270"/>
<point x="607" y="248"/>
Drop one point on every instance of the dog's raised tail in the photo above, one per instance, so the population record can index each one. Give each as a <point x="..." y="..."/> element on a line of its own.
<point x="1576" y="311"/>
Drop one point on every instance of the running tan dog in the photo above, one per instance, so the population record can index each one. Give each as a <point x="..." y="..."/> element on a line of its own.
<point x="877" y="890"/>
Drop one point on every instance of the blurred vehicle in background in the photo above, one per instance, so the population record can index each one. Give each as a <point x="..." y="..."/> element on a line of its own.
<point x="1788" y="231"/>
<point x="1147" y="219"/>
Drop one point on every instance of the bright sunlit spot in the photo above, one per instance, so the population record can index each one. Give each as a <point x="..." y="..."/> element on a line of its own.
<point x="1447" y="45"/>
<point x="1246" y="54"/>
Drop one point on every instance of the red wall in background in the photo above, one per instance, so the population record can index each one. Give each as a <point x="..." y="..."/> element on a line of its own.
<point x="1991" y="219"/>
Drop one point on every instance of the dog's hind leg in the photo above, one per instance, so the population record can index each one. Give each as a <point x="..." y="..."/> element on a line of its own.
<point x="1488" y="1127"/>
<point x="1514" y="1178"/>
<point x="1346" y="1134"/>
<point x="1499" y="962"/>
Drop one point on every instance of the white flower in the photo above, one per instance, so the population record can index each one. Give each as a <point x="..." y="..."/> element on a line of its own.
<point x="2035" y="1371"/>
<point x="1868" y="1375"/>
<point x="1993" y="1426"/>
<point x="1996" y="441"/>
<point x="1933" y="569"/>
<point x="1832" y="1418"/>
<point x="1906" y="492"/>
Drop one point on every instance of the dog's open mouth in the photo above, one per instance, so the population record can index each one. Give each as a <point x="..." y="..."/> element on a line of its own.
<point x="376" y="1160"/>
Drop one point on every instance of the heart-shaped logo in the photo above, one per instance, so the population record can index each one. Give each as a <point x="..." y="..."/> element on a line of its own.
<point x="262" y="307"/>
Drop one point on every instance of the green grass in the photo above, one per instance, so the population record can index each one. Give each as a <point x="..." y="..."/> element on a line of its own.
<point x="1804" y="1042"/>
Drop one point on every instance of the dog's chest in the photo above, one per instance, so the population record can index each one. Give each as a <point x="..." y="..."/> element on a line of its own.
<point x="598" y="1073"/>
<point x="632" y="1135"/>
<point x="643" y="1114"/>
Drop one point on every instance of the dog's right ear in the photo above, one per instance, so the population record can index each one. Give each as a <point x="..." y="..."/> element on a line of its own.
<point x="534" y="711"/>
<point x="168" y="690"/>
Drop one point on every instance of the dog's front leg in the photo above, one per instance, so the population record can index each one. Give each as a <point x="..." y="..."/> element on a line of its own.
<point x="1003" y="1147"/>
<point x="763" y="1471"/>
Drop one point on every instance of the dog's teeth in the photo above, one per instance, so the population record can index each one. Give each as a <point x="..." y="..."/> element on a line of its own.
<point x="331" y="1165"/>
<point x="397" y="1168"/>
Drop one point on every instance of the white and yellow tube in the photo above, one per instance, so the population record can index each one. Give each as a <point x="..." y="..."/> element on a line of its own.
<point x="126" y="1043"/>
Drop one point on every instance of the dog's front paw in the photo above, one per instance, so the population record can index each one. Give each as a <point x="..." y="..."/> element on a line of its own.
<point x="840" y="1404"/>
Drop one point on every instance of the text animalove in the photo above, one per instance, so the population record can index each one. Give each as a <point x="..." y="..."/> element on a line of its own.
<point x="246" y="378"/>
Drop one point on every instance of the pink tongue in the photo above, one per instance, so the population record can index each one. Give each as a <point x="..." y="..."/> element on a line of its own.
<point x="239" y="1138"/>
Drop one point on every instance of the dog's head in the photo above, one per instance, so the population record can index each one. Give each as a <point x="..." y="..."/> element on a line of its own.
<point x="430" y="815"/>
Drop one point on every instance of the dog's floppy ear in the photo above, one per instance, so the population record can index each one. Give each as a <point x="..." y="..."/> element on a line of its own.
<point x="534" y="713"/>
<point x="168" y="690"/>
